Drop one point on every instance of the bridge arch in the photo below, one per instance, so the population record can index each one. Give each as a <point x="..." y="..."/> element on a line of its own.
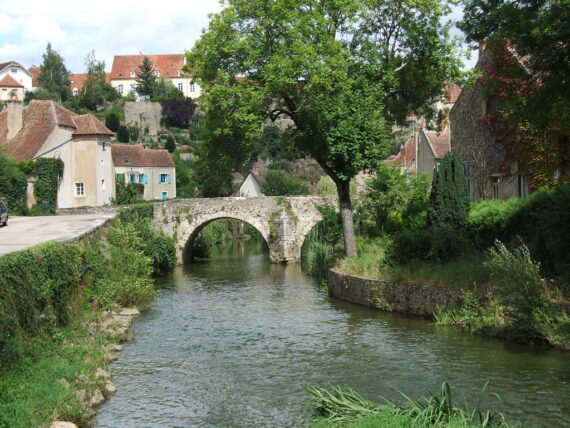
<point x="196" y="228"/>
<point x="284" y="222"/>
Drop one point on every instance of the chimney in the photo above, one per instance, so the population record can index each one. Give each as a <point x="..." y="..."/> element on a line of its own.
<point x="14" y="109"/>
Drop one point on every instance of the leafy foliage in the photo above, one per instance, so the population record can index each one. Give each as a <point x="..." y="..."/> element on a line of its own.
<point x="54" y="80"/>
<point x="112" y="122"/>
<point x="164" y="89"/>
<point x="334" y="70"/>
<point x="13" y="185"/>
<point x="50" y="173"/>
<point x="392" y="202"/>
<point x="123" y="134"/>
<point x="278" y="183"/>
<point x="178" y="112"/>
<point x="170" y="144"/>
<point x="96" y="91"/>
<point x="127" y="193"/>
<point x="449" y="198"/>
<point x="35" y="288"/>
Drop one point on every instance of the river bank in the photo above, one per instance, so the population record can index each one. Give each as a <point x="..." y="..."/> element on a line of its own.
<point x="446" y="305"/>
<point x="65" y="310"/>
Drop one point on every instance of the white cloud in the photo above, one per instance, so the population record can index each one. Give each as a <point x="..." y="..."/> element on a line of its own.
<point x="111" y="27"/>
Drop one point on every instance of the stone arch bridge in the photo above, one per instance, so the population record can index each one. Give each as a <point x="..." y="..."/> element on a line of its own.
<point x="284" y="222"/>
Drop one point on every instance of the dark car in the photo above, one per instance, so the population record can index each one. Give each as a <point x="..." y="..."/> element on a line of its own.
<point x="3" y="213"/>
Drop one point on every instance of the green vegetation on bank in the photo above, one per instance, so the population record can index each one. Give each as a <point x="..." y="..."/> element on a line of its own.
<point x="50" y="298"/>
<point x="347" y="408"/>
<point x="219" y="231"/>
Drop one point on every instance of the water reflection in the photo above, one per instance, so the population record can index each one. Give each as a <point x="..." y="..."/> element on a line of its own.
<point x="234" y="342"/>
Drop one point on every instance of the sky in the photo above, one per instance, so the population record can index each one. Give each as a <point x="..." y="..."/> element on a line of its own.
<point x="110" y="27"/>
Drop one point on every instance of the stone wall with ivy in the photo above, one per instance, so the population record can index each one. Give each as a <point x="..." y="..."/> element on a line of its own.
<point x="49" y="172"/>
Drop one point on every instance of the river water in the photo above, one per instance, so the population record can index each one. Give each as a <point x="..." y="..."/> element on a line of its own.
<point x="235" y="341"/>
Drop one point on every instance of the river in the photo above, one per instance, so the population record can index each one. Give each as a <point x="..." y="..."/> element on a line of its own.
<point x="235" y="341"/>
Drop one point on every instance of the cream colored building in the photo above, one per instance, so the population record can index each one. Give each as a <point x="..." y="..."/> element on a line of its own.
<point x="82" y="142"/>
<point x="18" y="73"/>
<point x="125" y="68"/>
<point x="152" y="168"/>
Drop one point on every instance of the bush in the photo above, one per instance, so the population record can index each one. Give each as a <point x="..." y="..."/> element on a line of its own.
<point x="35" y="290"/>
<point x="143" y="211"/>
<point x="13" y="185"/>
<point x="123" y="134"/>
<point x="50" y="173"/>
<point x="112" y="122"/>
<point x="127" y="193"/>
<point x="438" y="244"/>
<point x="517" y="283"/>
<point x="178" y="113"/>
<point x="280" y="184"/>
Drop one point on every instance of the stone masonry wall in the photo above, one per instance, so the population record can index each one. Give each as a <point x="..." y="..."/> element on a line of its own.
<point x="144" y="114"/>
<point x="412" y="299"/>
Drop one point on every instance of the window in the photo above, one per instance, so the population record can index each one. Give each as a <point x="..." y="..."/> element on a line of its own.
<point x="120" y="89"/>
<point x="103" y="187"/>
<point x="157" y="73"/>
<point x="493" y="104"/>
<point x="133" y="74"/>
<point x="468" y="169"/>
<point x="181" y="87"/>
<point x="192" y="87"/>
<point x="126" y="160"/>
<point x="522" y="187"/>
<point x="79" y="189"/>
<point x="180" y="73"/>
<point x="495" y="181"/>
<point x="133" y="178"/>
<point x="168" y="73"/>
<point x="164" y="195"/>
<point x="119" y="177"/>
<point x="133" y="88"/>
<point x="163" y="178"/>
<point x="14" y="70"/>
<point x="75" y="92"/>
<point x="141" y="178"/>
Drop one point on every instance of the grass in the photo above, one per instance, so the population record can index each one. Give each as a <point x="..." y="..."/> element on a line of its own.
<point x="347" y="408"/>
<point x="466" y="273"/>
<point x="29" y="392"/>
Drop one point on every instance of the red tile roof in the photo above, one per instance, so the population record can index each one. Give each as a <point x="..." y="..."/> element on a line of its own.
<point x="9" y="82"/>
<point x="405" y="158"/>
<point x="134" y="155"/>
<point x="452" y="91"/>
<point x="35" y="71"/>
<point x="439" y="142"/>
<point x="40" y="118"/>
<point x="6" y="64"/>
<point x="78" y="80"/>
<point x="168" y="65"/>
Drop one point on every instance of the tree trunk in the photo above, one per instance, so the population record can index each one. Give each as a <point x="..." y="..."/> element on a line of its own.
<point x="343" y="190"/>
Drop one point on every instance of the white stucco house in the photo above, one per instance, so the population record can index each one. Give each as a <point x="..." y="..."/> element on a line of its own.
<point x="251" y="186"/>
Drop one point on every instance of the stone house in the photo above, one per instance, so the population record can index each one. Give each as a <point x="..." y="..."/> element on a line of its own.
<point x="82" y="142"/>
<point x="152" y="168"/>
<point x="490" y="174"/>
<point x="125" y="68"/>
<point x="19" y="76"/>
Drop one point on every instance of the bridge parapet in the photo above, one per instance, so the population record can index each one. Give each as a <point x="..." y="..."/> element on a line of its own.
<point x="284" y="222"/>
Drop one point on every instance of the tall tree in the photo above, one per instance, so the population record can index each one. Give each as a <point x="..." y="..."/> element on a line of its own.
<point x="340" y="72"/>
<point x="96" y="90"/>
<point x="146" y="80"/>
<point x="54" y="78"/>
<point x="449" y="198"/>
<point x="530" y="41"/>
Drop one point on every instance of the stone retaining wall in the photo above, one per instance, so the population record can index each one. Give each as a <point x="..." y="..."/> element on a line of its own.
<point x="412" y="299"/>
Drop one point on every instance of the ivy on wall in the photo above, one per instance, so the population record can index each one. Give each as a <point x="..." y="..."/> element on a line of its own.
<point x="13" y="185"/>
<point x="49" y="172"/>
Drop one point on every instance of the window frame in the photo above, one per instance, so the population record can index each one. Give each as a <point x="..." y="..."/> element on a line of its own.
<point x="79" y="193"/>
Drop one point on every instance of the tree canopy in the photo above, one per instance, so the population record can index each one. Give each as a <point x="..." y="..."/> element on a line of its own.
<point x="146" y="80"/>
<point x="531" y="45"/>
<point x="54" y="78"/>
<point x="96" y="90"/>
<point x="339" y="72"/>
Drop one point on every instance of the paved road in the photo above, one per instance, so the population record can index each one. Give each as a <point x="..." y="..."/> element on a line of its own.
<point x="24" y="232"/>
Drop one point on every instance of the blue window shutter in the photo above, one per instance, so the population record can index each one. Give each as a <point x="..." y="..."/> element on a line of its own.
<point x="168" y="179"/>
<point x="145" y="178"/>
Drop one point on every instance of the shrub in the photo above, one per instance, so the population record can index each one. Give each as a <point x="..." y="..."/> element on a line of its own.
<point x="128" y="215"/>
<point x="449" y="198"/>
<point x="438" y="244"/>
<point x="170" y="145"/>
<point x="123" y="134"/>
<point x="35" y="290"/>
<point x="178" y="113"/>
<point x="127" y="193"/>
<point x="517" y="283"/>
<point x="13" y="185"/>
<point x="280" y="184"/>
<point x="112" y="122"/>
<point x="50" y="173"/>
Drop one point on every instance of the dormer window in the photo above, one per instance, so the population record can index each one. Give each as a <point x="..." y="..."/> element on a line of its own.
<point x="14" y="70"/>
<point x="120" y="74"/>
<point x="133" y="73"/>
<point x="180" y="73"/>
<point x="157" y="73"/>
<point x="75" y="92"/>
<point x="126" y="160"/>
<point x="168" y="73"/>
